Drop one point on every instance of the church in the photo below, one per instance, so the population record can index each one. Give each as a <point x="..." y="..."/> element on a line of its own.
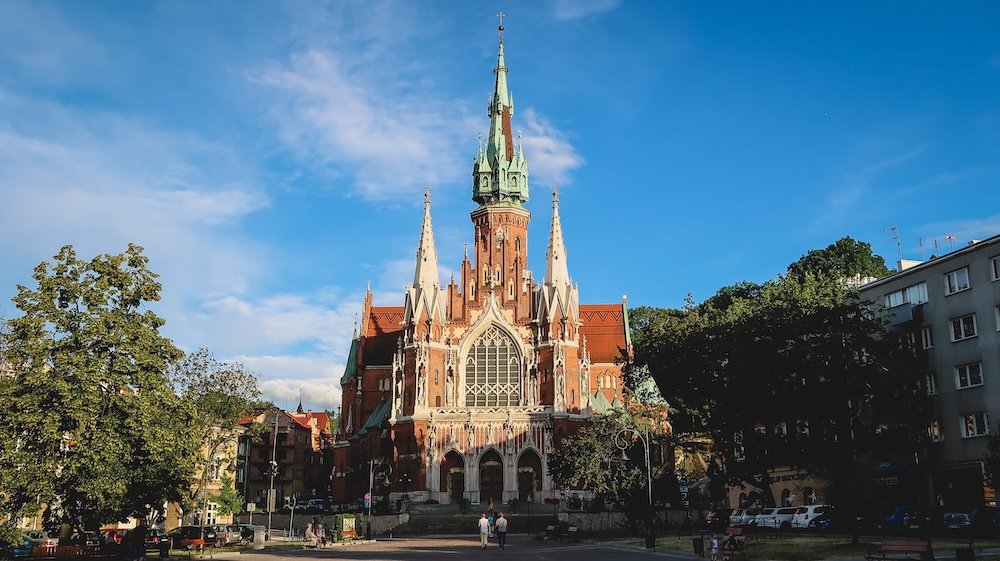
<point x="463" y="391"/>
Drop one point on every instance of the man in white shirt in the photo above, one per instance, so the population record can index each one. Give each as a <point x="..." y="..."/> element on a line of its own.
<point x="501" y="528"/>
<point x="484" y="530"/>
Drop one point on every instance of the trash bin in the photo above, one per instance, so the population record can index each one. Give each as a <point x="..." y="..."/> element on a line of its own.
<point x="165" y="549"/>
<point x="698" y="545"/>
<point x="258" y="537"/>
<point x="965" y="554"/>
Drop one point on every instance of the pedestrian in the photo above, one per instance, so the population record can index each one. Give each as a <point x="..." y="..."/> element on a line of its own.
<point x="137" y="537"/>
<point x="492" y="520"/>
<point x="501" y="527"/>
<point x="311" y="535"/>
<point x="484" y="530"/>
<point x="715" y="545"/>
<point x="492" y="507"/>
<point x="321" y="535"/>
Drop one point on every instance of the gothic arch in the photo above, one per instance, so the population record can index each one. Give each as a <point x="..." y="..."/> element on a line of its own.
<point x="490" y="318"/>
<point x="491" y="474"/>
<point x="453" y="475"/>
<point x="529" y="474"/>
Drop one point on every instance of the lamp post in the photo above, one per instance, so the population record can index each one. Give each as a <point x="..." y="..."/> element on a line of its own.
<point x="624" y="439"/>
<point x="274" y="471"/>
<point x="383" y="472"/>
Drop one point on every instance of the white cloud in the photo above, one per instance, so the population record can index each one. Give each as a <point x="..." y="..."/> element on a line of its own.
<point x="315" y="378"/>
<point x="575" y="9"/>
<point x="962" y="231"/>
<point x="550" y="156"/>
<point x="388" y="136"/>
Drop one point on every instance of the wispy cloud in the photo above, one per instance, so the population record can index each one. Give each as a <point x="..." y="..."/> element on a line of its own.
<point x="389" y="138"/>
<point x="962" y="231"/>
<point x="550" y="156"/>
<point x="575" y="9"/>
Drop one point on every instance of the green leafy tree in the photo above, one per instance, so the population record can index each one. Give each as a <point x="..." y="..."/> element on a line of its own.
<point x="227" y="500"/>
<point x="795" y="372"/>
<point x="219" y="395"/>
<point x="846" y="258"/>
<point x="90" y="427"/>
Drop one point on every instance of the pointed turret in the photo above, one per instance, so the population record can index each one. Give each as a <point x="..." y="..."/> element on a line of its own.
<point x="425" y="298"/>
<point x="500" y="174"/>
<point x="558" y="299"/>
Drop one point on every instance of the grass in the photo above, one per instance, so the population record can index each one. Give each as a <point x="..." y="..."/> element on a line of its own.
<point x="814" y="548"/>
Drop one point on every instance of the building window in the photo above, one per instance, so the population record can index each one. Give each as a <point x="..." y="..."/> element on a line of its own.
<point x="930" y="382"/>
<point x="956" y="281"/>
<point x="995" y="267"/>
<point x="969" y="375"/>
<point x="926" y="338"/>
<point x="934" y="431"/>
<point x="974" y="424"/>
<point x="963" y="327"/>
<point x="739" y="452"/>
<point x="913" y="295"/>
<point x="492" y="371"/>
<point x="781" y="429"/>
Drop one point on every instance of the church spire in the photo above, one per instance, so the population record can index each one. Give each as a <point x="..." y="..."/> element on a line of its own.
<point x="425" y="298"/>
<point x="500" y="173"/>
<point x="426" y="271"/>
<point x="556" y="269"/>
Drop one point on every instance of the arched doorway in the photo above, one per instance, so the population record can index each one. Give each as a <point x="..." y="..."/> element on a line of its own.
<point x="453" y="476"/>
<point x="529" y="475"/>
<point x="490" y="477"/>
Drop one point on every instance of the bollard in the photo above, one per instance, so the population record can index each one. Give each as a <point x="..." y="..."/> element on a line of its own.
<point x="258" y="538"/>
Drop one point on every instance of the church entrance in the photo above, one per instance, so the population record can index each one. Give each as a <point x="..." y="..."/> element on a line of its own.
<point x="529" y="475"/>
<point x="453" y="477"/>
<point x="491" y="478"/>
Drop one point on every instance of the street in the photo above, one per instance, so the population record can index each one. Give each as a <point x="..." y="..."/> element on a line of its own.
<point x="519" y="547"/>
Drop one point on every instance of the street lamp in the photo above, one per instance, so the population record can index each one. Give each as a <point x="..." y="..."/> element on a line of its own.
<point x="624" y="439"/>
<point x="383" y="472"/>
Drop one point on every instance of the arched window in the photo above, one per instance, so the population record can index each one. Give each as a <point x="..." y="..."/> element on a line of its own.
<point x="492" y="371"/>
<point x="437" y="401"/>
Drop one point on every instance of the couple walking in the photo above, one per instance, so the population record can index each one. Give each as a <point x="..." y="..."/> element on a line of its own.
<point x="487" y="526"/>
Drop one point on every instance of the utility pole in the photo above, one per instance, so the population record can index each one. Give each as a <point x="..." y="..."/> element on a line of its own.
<point x="274" y="471"/>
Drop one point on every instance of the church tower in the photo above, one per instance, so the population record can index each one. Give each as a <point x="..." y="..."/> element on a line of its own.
<point x="466" y="388"/>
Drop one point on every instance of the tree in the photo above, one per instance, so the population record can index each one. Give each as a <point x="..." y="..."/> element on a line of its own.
<point x="90" y="428"/>
<point x="227" y="500"/>
<point x="591" y="460"/>
<point x="794" y="372"/>
<point x="846" y="258"/>
<point x="219" y="396"/>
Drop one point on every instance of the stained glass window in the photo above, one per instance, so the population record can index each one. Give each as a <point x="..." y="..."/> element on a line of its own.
<point x="492" y="371"/>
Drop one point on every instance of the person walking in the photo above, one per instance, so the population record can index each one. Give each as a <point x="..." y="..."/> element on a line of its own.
<point x="484" y="530"/>
<point x="501" y="529"/>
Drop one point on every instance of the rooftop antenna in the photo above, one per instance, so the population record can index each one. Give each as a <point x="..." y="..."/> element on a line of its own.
<point x="950" y="238"/>
<point x="923" y="255"/>
<point x="899" y="244"/>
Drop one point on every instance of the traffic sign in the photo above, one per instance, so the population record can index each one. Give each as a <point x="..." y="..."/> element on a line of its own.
<point x="368" y="496"/>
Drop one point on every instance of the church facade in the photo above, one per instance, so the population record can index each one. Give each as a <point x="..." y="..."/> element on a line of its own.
<point x="466" y="388"/>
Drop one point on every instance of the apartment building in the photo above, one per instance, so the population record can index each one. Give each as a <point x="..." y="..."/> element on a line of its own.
<point x="950" y="307"/>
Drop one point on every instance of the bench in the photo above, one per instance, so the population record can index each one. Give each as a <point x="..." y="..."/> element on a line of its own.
<point x="900" y="548"/>
<point x="570" y="534"/>
<point x="734" y="543"/>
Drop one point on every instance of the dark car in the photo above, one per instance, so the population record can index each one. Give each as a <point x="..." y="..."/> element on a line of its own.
<point x="192" y="537"/>
<point x="968" y="521"/>
<point x="156" y="538"/>
<point x="247" y="531"/>
<point x="89" y="539"/>
<point x="829" y="520"/>
<point x="717" y="519"/>
<point x="893" y="521"/>
<point x="923" y="520"/>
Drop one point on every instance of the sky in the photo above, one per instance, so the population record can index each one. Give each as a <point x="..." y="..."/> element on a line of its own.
<point x="271" y="156"/>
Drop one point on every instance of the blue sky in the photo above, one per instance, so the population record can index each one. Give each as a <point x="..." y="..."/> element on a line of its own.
<point x="271" y="156"/>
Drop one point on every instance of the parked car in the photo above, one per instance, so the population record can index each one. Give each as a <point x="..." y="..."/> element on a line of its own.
<point x="925" y="519"/>
<point x="976" y="520"/>
<point x="804" y="514"/>
<point x="24" y="549"/>
<point x="743" y="516"/>
<point x="893" y="521"/>
<point x="227" y="534"/>
<point x="155" y="538"/>
<point x="763" y="519"/>
<point x="89" y="539"/>
<point x="247" y="531"/>
<point x="41" y="537"/>
<point x="192" y="537"/>
<point x="317" y="505"/>
<point x="113" y="535"/>
<point x="783" y="517"/>
<point x="825" y="521"/>
<point x="717" y="519"/>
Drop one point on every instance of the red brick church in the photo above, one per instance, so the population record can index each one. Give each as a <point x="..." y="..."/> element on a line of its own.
<point x="465" y="388"/>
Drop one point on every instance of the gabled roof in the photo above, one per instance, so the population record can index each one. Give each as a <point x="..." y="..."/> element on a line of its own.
<point x="375" y="419"/>
<point x="605" y="327"/>
<point x="599" y="403"/>
<point x="382" y="332"/>
<point x="351" y="370"/>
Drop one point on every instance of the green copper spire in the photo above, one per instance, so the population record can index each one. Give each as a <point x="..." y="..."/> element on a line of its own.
<point x="500" y="172"/>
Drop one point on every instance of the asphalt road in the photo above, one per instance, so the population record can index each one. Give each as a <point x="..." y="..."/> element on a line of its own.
<point x="519" y="548"/>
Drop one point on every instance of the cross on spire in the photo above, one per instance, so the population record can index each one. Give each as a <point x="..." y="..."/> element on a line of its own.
<point x="500" y="27"/>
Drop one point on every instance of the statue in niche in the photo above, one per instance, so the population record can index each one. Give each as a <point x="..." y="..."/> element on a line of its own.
<point x="420" y="386"/>
<point x="489" y="434"/>
<point x="548" y="439"/>
<point x="449" y="390"/>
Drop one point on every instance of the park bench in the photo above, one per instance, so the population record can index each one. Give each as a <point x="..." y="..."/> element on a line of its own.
<point x="734" y="543"/>
<point x="570" y="534"/>
<point x="900" y="548"/>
